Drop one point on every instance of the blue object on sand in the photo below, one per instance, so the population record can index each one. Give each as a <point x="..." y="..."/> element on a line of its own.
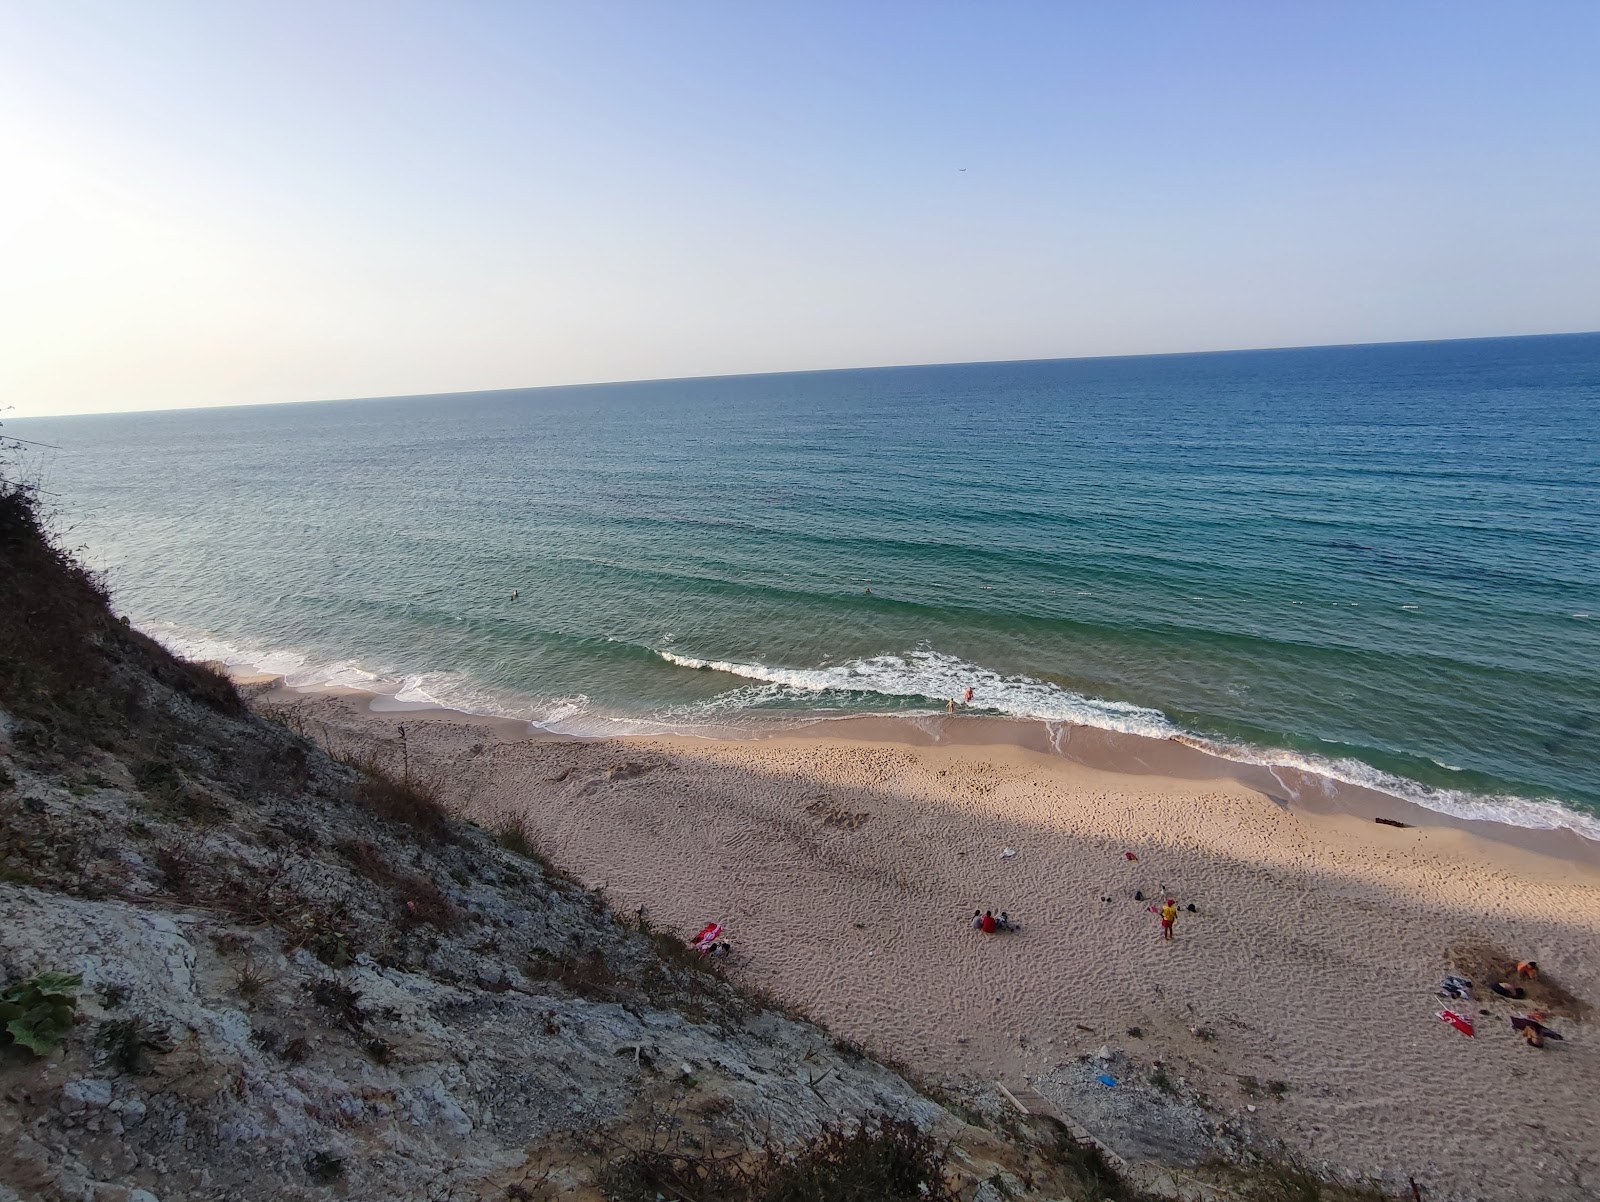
<point x="1106" y="1079"/>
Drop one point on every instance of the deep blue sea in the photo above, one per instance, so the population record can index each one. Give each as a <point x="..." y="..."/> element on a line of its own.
<point x="1381" y="561"/>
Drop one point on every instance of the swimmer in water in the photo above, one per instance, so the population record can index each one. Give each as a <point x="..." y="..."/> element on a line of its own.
<point x="515" y="593"/>
<point x="968" y="695"/>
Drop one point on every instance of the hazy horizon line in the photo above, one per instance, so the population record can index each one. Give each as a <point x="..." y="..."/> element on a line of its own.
<point x="804" y="371"/>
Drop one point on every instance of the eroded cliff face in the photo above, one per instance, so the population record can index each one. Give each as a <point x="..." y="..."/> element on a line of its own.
<point x="301" y="978"/>
<point x="290" y="995"/>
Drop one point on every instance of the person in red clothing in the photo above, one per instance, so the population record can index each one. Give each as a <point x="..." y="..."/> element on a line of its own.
<point x="987" y="925"/>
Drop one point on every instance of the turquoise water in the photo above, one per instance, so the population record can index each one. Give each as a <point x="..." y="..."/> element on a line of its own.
<point x="1382" y="561"/>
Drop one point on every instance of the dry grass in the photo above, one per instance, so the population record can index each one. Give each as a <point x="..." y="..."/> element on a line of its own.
<point x="519" y="837"/>
<point x="417" y="899"/>
<point x="1290" y="1182"/>
<point x="878" y="1160"/>
<point x="1484" y="964"/>
<point x="589" y="976"/>
<point x="407" y="800"/>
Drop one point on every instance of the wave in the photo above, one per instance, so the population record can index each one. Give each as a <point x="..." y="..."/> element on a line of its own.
<point x="935" y="677"/>
<point x="392" y="690"/>
<point x="573" y="714"/>
<point x="921" y="676"/>
<point x="1505" y="808"/>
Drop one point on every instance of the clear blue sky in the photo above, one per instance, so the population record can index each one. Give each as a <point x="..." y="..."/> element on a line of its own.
<point x="214" y="203"/>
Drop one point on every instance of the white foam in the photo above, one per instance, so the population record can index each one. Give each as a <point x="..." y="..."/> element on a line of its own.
<point x="918" y="675"/>
<point x="1501" y="807"/>
<point x="936" y="677"/>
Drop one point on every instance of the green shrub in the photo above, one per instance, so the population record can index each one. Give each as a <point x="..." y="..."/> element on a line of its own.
<point x="38" y="1013"/>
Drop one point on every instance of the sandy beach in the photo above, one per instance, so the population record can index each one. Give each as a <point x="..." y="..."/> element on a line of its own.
<point x="1297" y="1000"/>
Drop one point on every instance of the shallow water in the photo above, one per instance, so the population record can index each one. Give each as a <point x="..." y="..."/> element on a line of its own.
<point x="1382" y="562"/>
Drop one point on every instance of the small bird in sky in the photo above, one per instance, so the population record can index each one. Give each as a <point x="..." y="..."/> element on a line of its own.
<point x="960" y="168"/>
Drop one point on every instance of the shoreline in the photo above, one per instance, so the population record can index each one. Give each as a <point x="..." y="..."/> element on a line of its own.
<point x="846" y="870"/>
<point x="1091" y="747"/>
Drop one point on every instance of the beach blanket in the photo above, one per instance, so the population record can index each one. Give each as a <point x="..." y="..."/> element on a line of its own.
<point x="708" y="935"/>
<point x="1459" y="1021"/>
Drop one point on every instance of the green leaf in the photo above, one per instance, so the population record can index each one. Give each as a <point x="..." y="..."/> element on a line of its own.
<point x="38" y="1013"/>
<point x="58" y="984"/>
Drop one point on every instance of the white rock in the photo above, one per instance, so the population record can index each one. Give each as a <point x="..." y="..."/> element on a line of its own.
<point x="85" y="1093"/>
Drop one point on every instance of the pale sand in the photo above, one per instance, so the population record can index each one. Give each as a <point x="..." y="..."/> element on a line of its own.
<point x="1314" y="957"/>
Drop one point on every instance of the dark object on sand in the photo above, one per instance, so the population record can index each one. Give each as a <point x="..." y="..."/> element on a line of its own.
<point x="1534" y="1031"/>
<point x="1191" y="909"/>
<point x="1511" y="991"/>
<point x="1138" y="895"/>
<point x="1393" y="822"/>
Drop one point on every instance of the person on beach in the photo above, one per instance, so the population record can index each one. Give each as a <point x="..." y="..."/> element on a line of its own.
<point x="1004" y="922"/>
<point x="950" y="706"/>
<point x="988" y="923"/>
<point x="967" y="696"/>
<point x="1169" y="915"/>
<point x="977" y="920"/>
<point x="1534" y="1031"/>
<point x="1528" y="970"/>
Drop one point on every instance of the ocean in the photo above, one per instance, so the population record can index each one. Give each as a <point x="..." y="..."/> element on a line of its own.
<point x="1378" y="562"/>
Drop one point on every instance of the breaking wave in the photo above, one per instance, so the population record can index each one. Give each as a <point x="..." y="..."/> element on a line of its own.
<point x="936" y="677"/>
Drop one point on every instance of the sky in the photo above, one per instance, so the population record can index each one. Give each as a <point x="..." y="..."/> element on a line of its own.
<point x="226" y="203"/>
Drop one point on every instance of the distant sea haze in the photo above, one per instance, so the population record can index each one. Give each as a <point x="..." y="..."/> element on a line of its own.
<point x="1380" y="562"/>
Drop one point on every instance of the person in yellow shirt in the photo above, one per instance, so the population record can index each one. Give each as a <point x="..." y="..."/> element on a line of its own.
<point x="1169" y="915"/>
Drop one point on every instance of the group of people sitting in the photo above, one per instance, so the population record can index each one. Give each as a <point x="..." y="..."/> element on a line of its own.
<point x="985" y="921"/>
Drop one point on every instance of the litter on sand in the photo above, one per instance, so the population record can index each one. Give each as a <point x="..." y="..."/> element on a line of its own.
<point x="1008" y="853"/>
<point x="1128" y="855"/>
<point x="1459" y="1021"/>
<point x="1106" y="1079"/>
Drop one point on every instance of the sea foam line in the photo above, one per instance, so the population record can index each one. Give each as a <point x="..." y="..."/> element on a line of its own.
<point x="935" y="676"/>
<point x="922" y="674"/>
